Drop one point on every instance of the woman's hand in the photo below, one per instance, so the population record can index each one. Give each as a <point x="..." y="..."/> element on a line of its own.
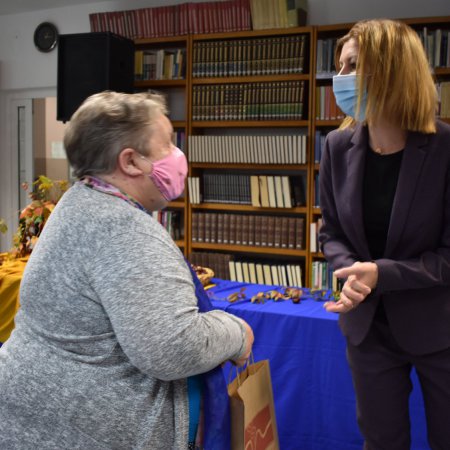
<point x="361" y="279"/>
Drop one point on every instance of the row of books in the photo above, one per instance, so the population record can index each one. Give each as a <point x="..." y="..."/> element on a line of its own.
<point x="316" y="199"/>
<point x="322" y="277"/>
<point x="444" y="97"/>
<point x="248" y="230"/>
<point x="223" y="188"/>
<point x="248" y="149"/>
<point x="175" y="20"/>
<point x="267" y="274"/>
<point x="226" y="267"/>
<point x="179" y="139"/>
<point x="261" y="56"/>
<point x="327" y="109"/>
<point x="160" y="64"/>
<point x="437" y="46"/>
<point x="171" y="221"/>
<point x="319" y="143"/>
<point x="275" y="191"/>
<point x="218" y="262"/>
<point x="268" y="14"/>
<point x="326" y="106"/>
<point x="250" y="101"/>
<point x="314" y="230"/>
<point x="325" y="49"/>
<point x="435" y="42"/>
<point x="267" y="191"/>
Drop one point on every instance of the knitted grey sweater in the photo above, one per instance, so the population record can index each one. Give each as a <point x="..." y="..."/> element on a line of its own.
<point x="107" y="332"/>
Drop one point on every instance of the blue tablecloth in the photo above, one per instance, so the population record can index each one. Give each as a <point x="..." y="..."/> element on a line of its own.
<point x="312" y="387"/>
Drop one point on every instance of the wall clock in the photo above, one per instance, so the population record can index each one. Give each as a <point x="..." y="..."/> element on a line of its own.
<point x="45" y="37"/>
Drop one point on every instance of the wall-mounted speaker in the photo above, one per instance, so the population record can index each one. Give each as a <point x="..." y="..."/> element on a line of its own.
<point x="89" y="63"/>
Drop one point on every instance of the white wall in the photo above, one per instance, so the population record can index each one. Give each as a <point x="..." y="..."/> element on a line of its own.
<point x="26" y="73"/>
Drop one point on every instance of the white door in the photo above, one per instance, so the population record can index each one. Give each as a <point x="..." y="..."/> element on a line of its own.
<point x="22" y="140"/>
<point x="17" y="165"/>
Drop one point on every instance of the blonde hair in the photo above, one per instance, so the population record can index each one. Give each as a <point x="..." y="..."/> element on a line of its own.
<point x="396" y="73"/>
<point x="105" y="124"/>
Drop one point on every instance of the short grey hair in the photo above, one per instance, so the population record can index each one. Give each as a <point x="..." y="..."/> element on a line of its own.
<point x="105" y="124"/>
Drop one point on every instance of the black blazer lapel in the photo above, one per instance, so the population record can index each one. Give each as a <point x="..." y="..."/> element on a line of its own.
<point x="356" y="157"/>
<point x="410" y="170"/>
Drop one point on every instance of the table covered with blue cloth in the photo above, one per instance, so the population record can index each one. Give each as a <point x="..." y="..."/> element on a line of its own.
<point x="312" y="386"/>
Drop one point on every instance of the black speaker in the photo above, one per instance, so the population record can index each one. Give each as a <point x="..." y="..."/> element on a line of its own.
<point x="89" y="63"/>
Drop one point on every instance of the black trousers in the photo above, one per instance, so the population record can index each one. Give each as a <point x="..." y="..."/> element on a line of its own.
<point x="381" y="377"/>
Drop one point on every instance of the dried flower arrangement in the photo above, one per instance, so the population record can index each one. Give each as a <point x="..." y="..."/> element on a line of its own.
<point x="44" y="196"/>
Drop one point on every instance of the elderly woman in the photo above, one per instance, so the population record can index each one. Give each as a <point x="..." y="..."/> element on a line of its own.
<point x="111" y="336"/>
<point x="385" y="198"/>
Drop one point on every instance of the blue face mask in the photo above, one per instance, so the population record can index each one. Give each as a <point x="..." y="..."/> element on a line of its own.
<point x="346" y="92"/>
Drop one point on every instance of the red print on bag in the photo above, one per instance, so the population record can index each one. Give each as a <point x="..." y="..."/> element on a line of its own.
<point x="259" y="432"/>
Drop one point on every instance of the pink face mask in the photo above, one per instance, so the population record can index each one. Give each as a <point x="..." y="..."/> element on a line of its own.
<point x="169" y="173"/>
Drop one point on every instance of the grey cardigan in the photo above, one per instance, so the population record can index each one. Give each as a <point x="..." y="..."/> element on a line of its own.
<point x="107" y="332"/>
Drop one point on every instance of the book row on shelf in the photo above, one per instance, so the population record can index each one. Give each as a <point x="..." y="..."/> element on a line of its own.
<point x="327" y="109"/>
<point x="282" y="274"/>
<point x="444" y="99"/>
<point x="175" y="20"/>
<point x="314" y="228"/>
<point x="319" y="143"/>
<point x="268" y="191"/>
<point x="325" y="49"/>
<point x="285" y="149"/>
<point x="253" y="230"/>
<point x="282" y="100"/>
<point x="251" y="56"/>
<point x="316" y="198"/>
<point x="322" y="276"/>
<point x="160" y="64"/>
<point x="171" y="221"/>
<point x="268" y="14"/>
<point x="436" y="44"/>
<point x="257" y="272"/>
<point x="267" y="274"/>
<point x="326" y="106"/>
<point x="275" y="191"/>
<point x="179" y="139"/>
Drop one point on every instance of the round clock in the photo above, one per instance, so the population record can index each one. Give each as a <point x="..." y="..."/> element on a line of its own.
<point x="46" y="37"/>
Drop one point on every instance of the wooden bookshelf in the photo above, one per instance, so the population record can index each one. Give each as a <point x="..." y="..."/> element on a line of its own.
<point x="259" y="126"/>
<point x="308" y="124"/>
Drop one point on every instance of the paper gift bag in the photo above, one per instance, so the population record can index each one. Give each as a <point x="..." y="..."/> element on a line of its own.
<point x="253" y="421"/>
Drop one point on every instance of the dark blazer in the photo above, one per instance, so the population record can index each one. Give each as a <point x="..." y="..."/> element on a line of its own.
<point x="414" y="273"/>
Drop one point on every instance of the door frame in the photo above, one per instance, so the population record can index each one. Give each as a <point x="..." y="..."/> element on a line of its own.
<point x="10" y="142"/>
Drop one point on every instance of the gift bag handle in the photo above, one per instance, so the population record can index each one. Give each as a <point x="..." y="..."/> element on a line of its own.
<point x="239" y="370"/>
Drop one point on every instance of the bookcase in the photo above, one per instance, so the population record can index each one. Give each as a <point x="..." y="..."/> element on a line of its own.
<point x="249" y="152"/>
<point x="252" y="109"/>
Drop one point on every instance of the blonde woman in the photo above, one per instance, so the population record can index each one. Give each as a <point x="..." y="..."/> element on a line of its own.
<point x="385" y="198"/>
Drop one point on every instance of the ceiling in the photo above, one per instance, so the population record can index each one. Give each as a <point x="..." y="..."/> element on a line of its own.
<point x="21" y="6"/>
